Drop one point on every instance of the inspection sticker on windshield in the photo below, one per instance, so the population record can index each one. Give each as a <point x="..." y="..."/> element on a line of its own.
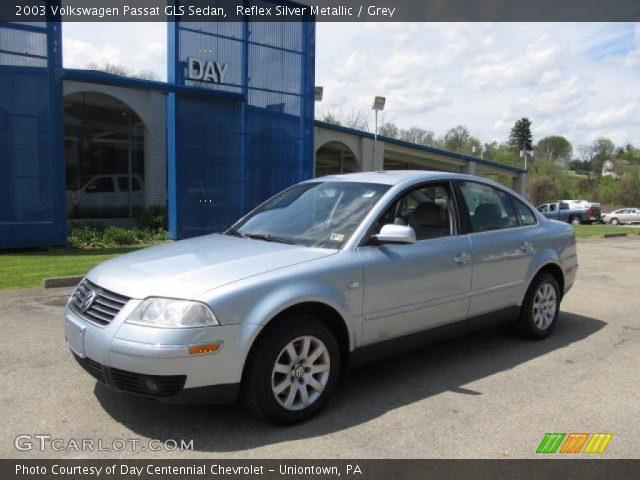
<point x="336" y="237"/>
<point x="369" y="194"/>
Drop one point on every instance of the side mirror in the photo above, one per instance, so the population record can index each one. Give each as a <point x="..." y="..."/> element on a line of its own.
<point x="391" y="233"/>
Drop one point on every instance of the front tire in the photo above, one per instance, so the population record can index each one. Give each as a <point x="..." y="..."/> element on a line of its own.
<point x="293" y="370"/>
<point x="540" y="308"/>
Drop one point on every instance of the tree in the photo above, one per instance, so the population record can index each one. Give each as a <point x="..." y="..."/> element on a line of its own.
<point x="389" y="129"/>
<point x="355" y="119"/>
<point x="330" y="117"/>
<point x="543" y="190"/>
<point x="602" y="150"/>
<point x="554" y="148"/>
<point x="418" y="135"/>
<point x="459" y="139"/>
<point x="123" y="71"/>
<point x="520" y="137"/>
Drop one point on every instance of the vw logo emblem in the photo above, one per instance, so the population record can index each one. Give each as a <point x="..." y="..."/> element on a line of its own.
<point x="299" y="371"/>
<point x="88" y="300"/>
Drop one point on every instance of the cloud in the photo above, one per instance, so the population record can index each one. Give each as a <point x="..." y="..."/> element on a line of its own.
<point x="627" y="114"/>
<point x="78" y="53"/>
<point x="574" y="79"/>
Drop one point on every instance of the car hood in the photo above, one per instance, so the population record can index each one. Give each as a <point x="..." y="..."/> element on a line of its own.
<point x="188" y="268"/>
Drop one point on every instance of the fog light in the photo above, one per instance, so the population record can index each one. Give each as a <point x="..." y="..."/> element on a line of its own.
<point x="151" y="385"/>
<point x="211" y="348"/>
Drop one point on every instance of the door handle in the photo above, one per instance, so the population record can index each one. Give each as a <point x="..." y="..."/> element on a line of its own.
<point x="526" y="247"/>
<point x="462" y="258"/>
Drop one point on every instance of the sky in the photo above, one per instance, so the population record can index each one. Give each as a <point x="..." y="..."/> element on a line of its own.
<point x="579" y="80"/>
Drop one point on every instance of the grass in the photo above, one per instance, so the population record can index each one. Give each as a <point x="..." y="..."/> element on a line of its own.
<point x="27" y="269"/>
<point x="591" y="231"/>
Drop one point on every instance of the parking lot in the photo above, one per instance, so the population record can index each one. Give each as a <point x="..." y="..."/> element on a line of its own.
<point x="489" y="395"/>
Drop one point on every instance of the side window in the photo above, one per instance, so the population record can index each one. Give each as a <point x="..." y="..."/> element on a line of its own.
<point x="123" y="184"/>
<point x="552" y="207"/>
<point x="526" y="215"/>
<point x="100" y="185"/>
<point x="564" y="206"/>
<point x="428" y="210"/>
<point x="489" y="208"/>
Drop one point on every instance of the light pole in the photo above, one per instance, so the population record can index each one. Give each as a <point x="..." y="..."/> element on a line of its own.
<point x="526" y="154"/>
<point x="378" y="105"/>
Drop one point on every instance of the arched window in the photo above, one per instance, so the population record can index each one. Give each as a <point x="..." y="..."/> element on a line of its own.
<point x="334" y="158"/>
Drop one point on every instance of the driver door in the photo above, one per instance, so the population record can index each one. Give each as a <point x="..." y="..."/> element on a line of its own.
<point x="409" y="288"/>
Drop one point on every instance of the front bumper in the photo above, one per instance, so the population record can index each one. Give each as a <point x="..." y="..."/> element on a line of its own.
<point x="156" y="363"/>
<point x="164" y="388"/>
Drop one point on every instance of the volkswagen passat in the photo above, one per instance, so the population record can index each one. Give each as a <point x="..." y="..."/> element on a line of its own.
<point x="329" y="273"/>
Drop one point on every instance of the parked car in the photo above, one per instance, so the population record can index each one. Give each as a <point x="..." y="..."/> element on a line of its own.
<point x="565" y="213"/>
<point x="106" y="194"/>
<point x="330" y="273"/>
<point x="623" y="215"/>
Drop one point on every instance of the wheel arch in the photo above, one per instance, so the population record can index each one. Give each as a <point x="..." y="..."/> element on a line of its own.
<point x="553" y="269"/>
<point x="328" y="314"/>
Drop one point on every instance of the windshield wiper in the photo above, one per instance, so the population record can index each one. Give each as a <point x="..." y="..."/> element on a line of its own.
<point x="235" y="233"/>
<point x="269" y="238"/>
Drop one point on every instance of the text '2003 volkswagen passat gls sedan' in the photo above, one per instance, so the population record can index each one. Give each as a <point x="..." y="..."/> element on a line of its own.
<point x="327" y="274"/>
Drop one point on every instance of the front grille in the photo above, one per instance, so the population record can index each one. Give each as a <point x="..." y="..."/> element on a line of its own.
<point x="105" y="306"/>
<point x="136" y="383"/>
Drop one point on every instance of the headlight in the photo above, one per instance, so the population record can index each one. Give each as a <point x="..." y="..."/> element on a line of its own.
<point x="168" y="313"/>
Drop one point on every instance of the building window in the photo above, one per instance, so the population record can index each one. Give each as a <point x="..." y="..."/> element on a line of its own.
<point x="334" y="158"/>
<point x="104" y="157"/>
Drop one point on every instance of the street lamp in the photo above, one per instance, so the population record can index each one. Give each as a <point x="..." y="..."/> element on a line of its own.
<point x="526" y="154"/>
<point x="378" y="105"/>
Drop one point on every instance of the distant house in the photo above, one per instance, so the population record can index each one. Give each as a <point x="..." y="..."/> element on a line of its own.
<point x="614" y="168"/>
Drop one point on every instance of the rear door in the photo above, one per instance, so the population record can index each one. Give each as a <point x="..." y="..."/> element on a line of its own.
<point x="502" y="233"/>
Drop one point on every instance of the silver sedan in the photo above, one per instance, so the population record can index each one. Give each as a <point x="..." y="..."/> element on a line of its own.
<point x="623" y="215"/>
<point x="328" y="274"/>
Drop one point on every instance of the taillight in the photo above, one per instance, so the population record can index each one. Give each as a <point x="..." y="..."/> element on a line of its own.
<point x="589" y="212"/>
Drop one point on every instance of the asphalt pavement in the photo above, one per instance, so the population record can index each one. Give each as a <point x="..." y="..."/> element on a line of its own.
<point x="488" y="395"/>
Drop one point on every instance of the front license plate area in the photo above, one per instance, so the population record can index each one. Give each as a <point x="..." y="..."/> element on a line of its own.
<point x="74" y="335"/>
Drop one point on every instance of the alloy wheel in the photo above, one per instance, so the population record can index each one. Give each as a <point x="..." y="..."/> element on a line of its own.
<point x="545" y="305"/>
<point x="300" y="373"/>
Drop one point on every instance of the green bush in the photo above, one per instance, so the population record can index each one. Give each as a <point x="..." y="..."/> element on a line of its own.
<point x="153" y="218"/>
<point x="98" y="236"/>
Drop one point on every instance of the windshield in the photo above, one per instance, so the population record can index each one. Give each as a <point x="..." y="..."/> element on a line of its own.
<point x="318" y="214"/>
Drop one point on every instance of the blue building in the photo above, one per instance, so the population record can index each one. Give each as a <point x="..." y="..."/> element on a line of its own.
<point x="232" y="126"/>
<point x="239" y="128"/>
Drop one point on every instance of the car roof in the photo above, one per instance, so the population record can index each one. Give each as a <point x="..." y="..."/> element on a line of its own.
<point x="392" y="177"/>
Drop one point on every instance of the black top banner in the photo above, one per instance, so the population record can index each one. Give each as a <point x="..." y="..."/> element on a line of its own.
<point x="320" y="10"/>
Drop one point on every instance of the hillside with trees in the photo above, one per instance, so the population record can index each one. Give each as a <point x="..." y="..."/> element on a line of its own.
<point x="600" y="171"/>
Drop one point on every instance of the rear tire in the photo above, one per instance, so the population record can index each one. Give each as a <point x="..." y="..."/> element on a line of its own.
<point x="292" y="371"/>
<point x="575" y="221"/>
<point x="614" y="221"/>
<point x="540" y="308"/>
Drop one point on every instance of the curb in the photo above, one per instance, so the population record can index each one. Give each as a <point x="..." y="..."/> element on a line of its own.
<point x="57" y="282"/>
<point x="612" y="235"/>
